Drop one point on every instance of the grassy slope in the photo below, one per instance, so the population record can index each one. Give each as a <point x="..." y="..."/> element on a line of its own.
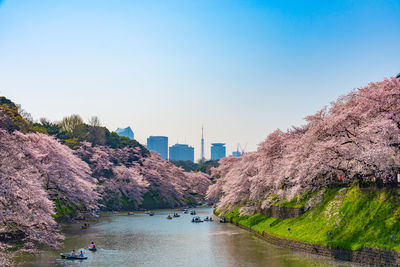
<point x="356" y="217"/>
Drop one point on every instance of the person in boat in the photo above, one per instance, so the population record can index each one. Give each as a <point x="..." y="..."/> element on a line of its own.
<point x="81" y="254"/>
<point x="73" y="253"/>
<point x="92" y="245"/>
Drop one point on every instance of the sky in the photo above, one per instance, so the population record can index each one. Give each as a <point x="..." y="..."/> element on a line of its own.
<point x="240" y="68"/>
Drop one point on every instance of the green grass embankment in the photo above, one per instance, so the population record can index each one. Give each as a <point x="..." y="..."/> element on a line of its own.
<point x="355" y="217"/>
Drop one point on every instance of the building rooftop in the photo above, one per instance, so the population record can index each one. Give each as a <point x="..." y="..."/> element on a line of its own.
<point x="182" y="145"/>
<point x="127" y="132"/>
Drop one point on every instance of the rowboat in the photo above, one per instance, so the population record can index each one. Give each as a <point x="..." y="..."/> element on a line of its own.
<point x="196" y="219"/>
<point x="223" y="220"/>
<point x="70" y="257"/>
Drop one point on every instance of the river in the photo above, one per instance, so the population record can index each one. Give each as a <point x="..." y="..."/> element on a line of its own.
<point x="143" y="240"/>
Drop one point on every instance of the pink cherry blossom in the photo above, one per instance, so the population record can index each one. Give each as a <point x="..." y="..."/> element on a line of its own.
<point x="356" y="138"/>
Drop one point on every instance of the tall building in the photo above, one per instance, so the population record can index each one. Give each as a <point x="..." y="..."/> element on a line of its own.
<point x="158" y="144"/>
<point x="218" y="151"/>
<point x="181" y="152"/>
<point x="126" y="132"/>
<point x="236" y="154"/>
<point x="202" y="146"/>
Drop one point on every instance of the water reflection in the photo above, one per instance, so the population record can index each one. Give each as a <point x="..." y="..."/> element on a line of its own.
<point x="141" y="240"/>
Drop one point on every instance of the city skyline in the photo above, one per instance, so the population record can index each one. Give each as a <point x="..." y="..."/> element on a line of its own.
<point x="241" y="69"/>
<point x="160" y="145"/>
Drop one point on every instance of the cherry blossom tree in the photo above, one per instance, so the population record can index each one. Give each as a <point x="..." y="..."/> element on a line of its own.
<point x="64" y="176"/>
<point x="356" y="138"/>
<point x="198" y="182"/>
<point x="38" y="171"/>
<point x="127" y="173"/>
<point x="25" y="208"/>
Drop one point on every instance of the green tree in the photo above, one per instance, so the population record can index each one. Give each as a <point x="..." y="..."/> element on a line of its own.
<point x="96" y="131"/>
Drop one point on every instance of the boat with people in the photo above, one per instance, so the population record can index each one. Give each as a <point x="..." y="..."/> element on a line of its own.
<point x="176" y="215"/>
<point x="186" y="211"/>
<point x="193" y="212"/>
<point x="73" y="256"/>
<point x="223" y="220"/>
<point x="196" y="219"/>
<point x="208" y="219"/>
<point x="92" y="247"/>
<point x="85" y="226"/>
<point x="169" y="217"/>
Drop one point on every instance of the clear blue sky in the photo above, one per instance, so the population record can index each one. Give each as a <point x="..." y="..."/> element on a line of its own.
<point x="240" y="68"/>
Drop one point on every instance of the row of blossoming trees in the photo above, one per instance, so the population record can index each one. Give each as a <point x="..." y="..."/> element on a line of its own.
<point x="356" y="138"/>
<point x="127" y="176"/>
<point x="39" y="175"/>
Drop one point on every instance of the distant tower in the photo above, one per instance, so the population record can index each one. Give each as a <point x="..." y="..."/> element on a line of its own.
<point x="202" y="145"/>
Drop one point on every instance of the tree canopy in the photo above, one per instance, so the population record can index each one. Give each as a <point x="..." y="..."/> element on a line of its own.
<point x="356" y="138"/>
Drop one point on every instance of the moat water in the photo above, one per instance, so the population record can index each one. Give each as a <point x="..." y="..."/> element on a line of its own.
<point x="143" y="240"/>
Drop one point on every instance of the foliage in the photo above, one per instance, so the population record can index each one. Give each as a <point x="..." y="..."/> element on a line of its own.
<point x="63" y="209"/>
<point x="126" y="173"/>
<point x="190" y="166"/>
<point x="72" y="131"/>
<point x="356" y="138"/>
<point x="356" y="218"/>
<point x="35" y="171"/>
<point x="10" y="119"/>
<point x="71" y="124"/>
<point x="42" y="179"/>
<point x="25" y="208"/>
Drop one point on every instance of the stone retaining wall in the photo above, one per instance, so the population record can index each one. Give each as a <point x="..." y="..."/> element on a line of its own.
<point x="282" y="212"/>
<point x="365" y="256"/>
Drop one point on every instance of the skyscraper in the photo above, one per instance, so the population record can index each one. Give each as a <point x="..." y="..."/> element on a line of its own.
<point x="181" y="152"/>
<point x="218" y="151"/>
<point x="236" y="154"/>
<point x="202" y="146"/>
<point x="126" y="132"/>
<point x="158" y="144"/>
